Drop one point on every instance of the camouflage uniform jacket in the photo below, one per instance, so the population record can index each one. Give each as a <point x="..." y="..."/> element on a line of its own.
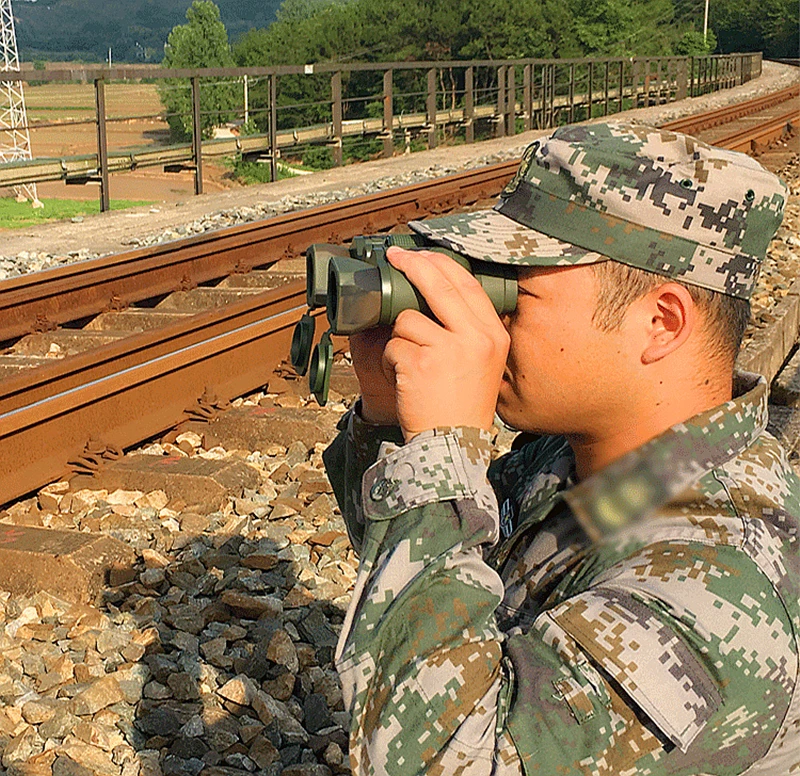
<point x="642" y="621"/>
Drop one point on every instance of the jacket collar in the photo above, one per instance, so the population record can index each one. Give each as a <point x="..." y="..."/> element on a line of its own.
<point x="634" y="486"/>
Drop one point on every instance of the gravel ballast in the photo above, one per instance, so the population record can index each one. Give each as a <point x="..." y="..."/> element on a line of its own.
<point x="214" y="654"/>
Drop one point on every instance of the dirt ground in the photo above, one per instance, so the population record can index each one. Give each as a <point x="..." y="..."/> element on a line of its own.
<point x="62" y="117"/>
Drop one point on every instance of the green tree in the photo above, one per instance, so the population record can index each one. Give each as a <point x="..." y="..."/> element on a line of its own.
<point x="506" y="29"/>
<point x="201" y="42"/>
<point x="757" y="25"/>
<point x="307" y="31"/>
<point x="692" y="44"/>
<point x="298" y="10"/>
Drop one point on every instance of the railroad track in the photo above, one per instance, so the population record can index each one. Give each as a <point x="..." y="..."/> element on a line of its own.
<point x="194" y="342"/>
<point x="692" y="125"/>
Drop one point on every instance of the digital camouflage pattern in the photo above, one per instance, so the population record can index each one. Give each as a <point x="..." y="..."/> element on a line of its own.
<point x="643" y="621"/>
<point x="653" y="199"/>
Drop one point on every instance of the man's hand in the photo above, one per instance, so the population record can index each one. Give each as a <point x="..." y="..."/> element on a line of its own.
<point x="378" y="399"/>
<point x="444" y="373"/>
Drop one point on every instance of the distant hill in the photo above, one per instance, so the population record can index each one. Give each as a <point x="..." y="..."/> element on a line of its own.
<point x="136" y="30"/>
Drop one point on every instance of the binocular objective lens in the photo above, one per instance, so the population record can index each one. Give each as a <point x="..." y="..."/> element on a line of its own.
<point x="319" y="375"/>
<point x="302" y="341"/>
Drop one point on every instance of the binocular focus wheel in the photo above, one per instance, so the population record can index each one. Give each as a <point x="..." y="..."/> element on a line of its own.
<point x="302" y="341"/>
<point x="319" y="375"/>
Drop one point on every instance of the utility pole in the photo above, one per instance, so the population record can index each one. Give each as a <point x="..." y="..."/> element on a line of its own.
<point x="705" y="25"/>
<point x="15" y="139"/>
<point x="246" y="100"/>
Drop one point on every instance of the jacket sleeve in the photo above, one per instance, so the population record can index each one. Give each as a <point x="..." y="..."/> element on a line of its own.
<point x="346" y="459"/>
<point x="420" y="654"/>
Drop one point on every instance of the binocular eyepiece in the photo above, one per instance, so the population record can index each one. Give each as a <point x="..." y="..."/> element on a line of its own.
<point x="360" y="290"/>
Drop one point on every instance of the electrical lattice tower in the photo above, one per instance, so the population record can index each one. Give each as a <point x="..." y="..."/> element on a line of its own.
<point x="15" y="140"/>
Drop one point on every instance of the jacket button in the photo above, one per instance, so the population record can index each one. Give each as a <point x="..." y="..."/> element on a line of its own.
<point x="380" y="490"/>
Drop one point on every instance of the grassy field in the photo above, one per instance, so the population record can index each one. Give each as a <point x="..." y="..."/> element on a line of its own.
<point x="17" y="215"/>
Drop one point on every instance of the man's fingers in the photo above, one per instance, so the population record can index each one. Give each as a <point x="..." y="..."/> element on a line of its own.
<point x="418" y="328"/>
<point x="400" y="356"/>
<point x="451" y="292"/>
<point x="444" y="372"/>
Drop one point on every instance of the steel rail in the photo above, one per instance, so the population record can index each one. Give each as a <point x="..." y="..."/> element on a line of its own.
<point x="754" y="139"/>
<point x="132" y="389"/>
<point x="693" y="124"/>
<point x="43" y="300"/>
<point x="129" y="405"/>
<point x="60" y="375"/>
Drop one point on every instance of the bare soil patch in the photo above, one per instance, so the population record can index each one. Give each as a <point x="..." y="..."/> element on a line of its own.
<point x="62" y="119"/>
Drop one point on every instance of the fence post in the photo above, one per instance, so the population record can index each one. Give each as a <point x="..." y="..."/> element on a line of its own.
<point x="102" y="143"/>
<point x="469" y="103"/>
<point x="605" y="87"/>
<point x="697" y="86"/>
<point x="682" y="79"/>
<point x="636" y="77"/>
<point x="621" y="86"/>
<point x="197" y="137"/>
<point x="388" y="115"/>
<point x="431" y="108"/>
<point x="660" y="77"/>
<point x="571" y="93"/>
<point x="336" y="99"/>
<point x="511" y="101"/>
<point x="273" y="127"/>
<point x="548" y="96"/>
<point x="542" y="121"/>
<point x="527" y="108"/>
<point x="591" y="96"/>
<point x="747" y="68"/>
<point x="500" y="123"/>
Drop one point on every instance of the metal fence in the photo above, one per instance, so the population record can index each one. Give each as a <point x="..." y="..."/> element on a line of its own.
<point x="363" y="110"/>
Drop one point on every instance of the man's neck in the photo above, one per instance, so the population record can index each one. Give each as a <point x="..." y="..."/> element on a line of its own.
<point x="638" y="425"/>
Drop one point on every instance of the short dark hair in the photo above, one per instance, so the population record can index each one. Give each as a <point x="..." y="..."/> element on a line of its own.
<point x="726" y="317"/>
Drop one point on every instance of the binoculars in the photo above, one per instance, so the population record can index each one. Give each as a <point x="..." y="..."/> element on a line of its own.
<point x="359" y="289"/>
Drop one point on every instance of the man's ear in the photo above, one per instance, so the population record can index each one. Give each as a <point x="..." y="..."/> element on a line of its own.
<point x="672" y="317"/>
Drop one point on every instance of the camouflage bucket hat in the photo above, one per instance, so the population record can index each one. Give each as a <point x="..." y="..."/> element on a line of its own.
<point x="646" y="197"/>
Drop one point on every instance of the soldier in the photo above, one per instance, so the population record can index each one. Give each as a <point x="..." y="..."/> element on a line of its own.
<point x="620" y="594"/>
